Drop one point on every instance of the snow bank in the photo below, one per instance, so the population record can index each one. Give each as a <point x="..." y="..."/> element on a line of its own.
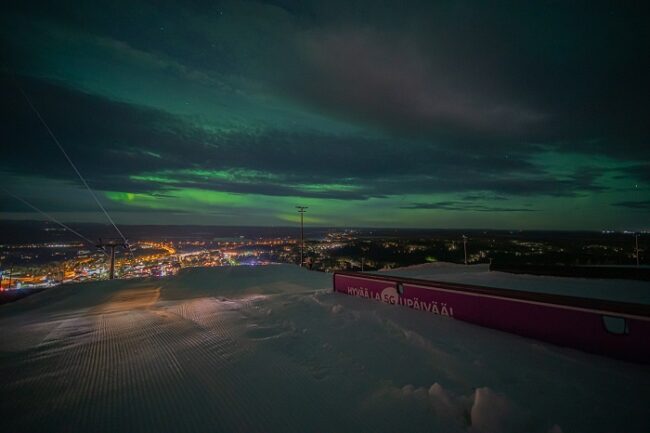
<point x="272" y="349"/>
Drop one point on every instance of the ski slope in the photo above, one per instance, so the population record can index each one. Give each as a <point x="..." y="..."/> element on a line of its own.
<point x="272" y="349"/>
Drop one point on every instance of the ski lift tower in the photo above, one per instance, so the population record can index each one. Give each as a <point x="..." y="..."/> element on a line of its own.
<point x="112" y="244"/>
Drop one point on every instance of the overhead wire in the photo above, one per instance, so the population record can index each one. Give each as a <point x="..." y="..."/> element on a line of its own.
<point x="74" y="167"/>
<point x="51" y="218"/>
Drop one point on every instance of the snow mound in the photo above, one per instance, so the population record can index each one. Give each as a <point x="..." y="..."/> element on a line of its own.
<point x="273" y="349"/>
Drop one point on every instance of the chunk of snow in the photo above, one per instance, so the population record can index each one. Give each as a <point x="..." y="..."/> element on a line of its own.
<point x="491" y="412"/>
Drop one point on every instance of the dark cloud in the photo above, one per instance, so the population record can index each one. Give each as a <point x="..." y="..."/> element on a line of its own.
<point x="348" y="100"/>
<point x="140" y="141"/>
<point x="482" y="197"/>
<point x="641" y="205"/>
<point x="390" y="80"/>
<point x="572" y="74"/>
<point x="461" y="206"/>
<point x="639" y="171"/>
<point x="110" y="160"/>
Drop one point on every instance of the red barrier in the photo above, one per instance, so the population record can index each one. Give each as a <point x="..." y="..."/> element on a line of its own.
<point x="616" y="329"/>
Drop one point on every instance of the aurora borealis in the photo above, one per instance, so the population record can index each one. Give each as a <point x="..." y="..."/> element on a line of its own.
<point x="521" y="115"/>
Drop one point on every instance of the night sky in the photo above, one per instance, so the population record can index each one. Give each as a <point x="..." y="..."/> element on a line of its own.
<point x="522" y="115"/>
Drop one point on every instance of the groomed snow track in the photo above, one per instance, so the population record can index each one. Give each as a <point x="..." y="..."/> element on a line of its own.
<point x="271" y="349"/>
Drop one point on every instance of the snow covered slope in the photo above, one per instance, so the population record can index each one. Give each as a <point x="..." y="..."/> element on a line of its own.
<point x="272" y="349"/>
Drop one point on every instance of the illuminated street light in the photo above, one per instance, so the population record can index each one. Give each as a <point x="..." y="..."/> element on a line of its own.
<point x="301" y="211"/>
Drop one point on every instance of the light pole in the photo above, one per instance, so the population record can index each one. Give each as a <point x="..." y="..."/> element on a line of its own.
<point x="636" y="247"/>
<point x="364" y="251"/>
<point x="465" y="247"/>
<point x="301" y="211"/>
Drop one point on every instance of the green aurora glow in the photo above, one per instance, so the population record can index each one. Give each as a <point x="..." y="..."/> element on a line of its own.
<point x="234" y="113"/>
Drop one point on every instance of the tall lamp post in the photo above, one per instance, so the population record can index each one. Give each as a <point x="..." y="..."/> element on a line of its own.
<point x="301" y="211"/>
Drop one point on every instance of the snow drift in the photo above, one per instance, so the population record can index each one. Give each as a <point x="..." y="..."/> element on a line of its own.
<point x="272" y="349"/>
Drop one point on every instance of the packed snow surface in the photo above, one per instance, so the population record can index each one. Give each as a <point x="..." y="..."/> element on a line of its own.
<point x="272" y="349"/>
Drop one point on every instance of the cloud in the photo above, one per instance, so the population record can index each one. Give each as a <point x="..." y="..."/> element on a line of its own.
<point x="126" y="147"/>
<point x="640" y="172"/>
<point x="477" y="197"/>
<point x="388" y="79"/>
<point x="361" y="103"/>
<point x="640" y="205"/>
<point x="461" y="206"/>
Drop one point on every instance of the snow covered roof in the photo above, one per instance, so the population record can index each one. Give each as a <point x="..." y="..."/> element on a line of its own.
<point x="272" y="349"/>
<point x="480" y="275"/>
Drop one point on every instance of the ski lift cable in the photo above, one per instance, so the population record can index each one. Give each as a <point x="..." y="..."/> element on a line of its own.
<point x="51" y="218"/>
<point x="74" y="167"/>
<point x="67" y="157"/>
